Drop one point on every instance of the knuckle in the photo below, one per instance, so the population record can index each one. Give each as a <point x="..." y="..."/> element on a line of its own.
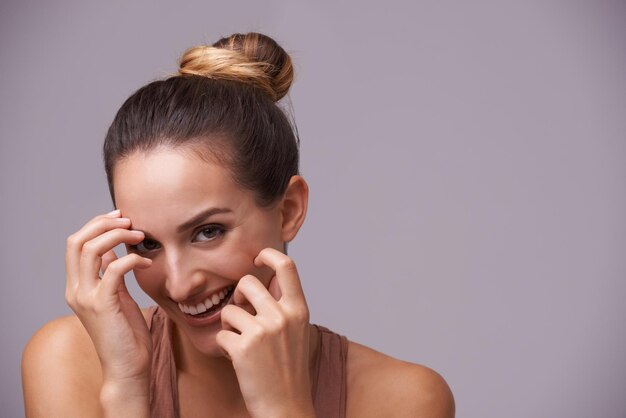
<point x="256" y="333"/>
<point x="89" y="247"/>
<point x="287" y="264"/>
<point x="72" y="242"/>
<point x="279" y="323"/>
<point x="299" y="314"/>
<point x="69" y="298"/>
<point x="302" y="315"/>
<point x="115" y="268"/>
<point x="246" y="346"/>
<point x="80" y="302"/>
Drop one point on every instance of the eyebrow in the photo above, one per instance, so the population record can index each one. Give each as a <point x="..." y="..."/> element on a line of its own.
<point x="200" y="217"/>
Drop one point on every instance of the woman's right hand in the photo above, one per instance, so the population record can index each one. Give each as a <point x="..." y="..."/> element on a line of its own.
<point x="104" y="306"/>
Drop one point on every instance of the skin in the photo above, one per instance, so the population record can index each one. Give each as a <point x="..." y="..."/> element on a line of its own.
<point x="104" y="351"/>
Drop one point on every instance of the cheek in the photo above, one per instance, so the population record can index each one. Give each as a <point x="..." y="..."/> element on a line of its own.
<point x="147" y="280"/>
<point x="236" y="260"/>
<point x="228" y="264"/>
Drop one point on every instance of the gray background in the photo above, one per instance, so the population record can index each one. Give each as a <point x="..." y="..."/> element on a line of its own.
<point x="466" y="163"/>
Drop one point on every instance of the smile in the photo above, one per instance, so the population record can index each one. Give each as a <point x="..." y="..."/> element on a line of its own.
<point x="211" y="304"/>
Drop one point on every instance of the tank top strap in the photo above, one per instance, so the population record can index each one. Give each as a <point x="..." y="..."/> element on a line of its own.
<point x="163" y="384"/>
<point x="330" y="381"/>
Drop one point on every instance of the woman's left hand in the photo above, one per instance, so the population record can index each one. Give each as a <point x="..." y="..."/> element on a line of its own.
<point x="270" y="350"/>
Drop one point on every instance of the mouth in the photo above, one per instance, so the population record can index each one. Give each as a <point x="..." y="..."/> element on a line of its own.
<point x="211" y="304"/>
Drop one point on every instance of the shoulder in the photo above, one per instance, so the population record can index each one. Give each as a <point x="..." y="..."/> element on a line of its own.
<point x="61" y="352"/>
<point x="60" y="341"/>
<point x="381" y="386"/>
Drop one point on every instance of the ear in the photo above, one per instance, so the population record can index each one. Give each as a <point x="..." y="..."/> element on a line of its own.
<point x="293" y="207"/>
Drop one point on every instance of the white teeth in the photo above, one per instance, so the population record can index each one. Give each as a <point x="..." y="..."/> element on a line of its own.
<point x="211" y="301"/>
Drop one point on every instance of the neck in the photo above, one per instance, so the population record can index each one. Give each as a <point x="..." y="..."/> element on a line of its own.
<point x="193" y="363"/>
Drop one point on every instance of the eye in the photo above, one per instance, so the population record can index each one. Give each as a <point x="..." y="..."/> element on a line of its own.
<point x="209" y="233"/>
<point x="144" y="246"/>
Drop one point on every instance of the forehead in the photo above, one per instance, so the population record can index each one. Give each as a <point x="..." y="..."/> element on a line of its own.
<point x="173" y="181"/>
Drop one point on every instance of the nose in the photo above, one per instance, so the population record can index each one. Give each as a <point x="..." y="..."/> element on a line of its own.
<point x="182" y="280"/>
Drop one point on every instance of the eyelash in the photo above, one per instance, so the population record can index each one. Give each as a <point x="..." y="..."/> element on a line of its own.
<point x="219" y="230"/>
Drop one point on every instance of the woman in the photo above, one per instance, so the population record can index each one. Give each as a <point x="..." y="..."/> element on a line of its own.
<point x="203" y="168"/>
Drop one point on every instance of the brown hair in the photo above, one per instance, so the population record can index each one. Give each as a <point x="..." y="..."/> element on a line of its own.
<point x="222" y="104"/>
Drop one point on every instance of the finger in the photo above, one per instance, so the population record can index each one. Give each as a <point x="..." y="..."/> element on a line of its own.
<point x="227" y="341"/>
<point x="286" y="272"/>
<point x="107" y="259"/>
<point x="131" y="309"/>
<point x="274" y="289"/>
<point x="251" y="290"/>
<point x="75" y="242"/>
<point x="91" y="229"/>
<point x="113" y="213"/>
<point x="114" y="274"/>
<point x="237" y="319"/>
<point x="93" y="250"/>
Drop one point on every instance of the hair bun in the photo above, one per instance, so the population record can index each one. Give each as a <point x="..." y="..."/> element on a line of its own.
<point x="251" y="58"/>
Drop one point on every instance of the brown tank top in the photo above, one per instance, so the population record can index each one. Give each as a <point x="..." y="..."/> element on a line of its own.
<point x="329" y="382"/>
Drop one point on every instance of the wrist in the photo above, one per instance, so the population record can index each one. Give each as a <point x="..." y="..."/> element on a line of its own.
<point x="300" y="410"/>
<point x="125" y="399"/>
<point x="284" y="410"/>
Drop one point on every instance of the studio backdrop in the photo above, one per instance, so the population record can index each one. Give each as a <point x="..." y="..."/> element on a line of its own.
<point x="466" y="163"/>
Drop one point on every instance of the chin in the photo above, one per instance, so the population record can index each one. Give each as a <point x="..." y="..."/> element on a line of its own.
<point x="207" y="345"/>
<point x="203" y="339"/>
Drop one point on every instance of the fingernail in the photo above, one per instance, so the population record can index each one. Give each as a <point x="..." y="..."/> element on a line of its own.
<point x="138" y="233"/>
<point x="114" y="212"/>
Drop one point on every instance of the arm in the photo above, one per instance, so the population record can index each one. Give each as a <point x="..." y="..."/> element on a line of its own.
<point x="62" y="376"/>
<point x="98" y="363"/>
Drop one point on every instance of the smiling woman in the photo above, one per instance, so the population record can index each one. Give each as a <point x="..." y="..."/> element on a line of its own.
<point x="203" y="168"/>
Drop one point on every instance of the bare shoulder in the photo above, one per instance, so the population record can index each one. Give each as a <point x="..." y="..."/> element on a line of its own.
<point x="382" y="386"/>
<point x="58" y="362"/>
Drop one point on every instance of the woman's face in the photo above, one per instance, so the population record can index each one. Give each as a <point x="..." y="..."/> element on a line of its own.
<point x="202" y="231"/>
